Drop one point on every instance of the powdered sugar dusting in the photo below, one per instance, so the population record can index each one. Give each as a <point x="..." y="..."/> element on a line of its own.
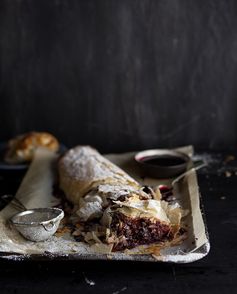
<point x="85" y="163"/>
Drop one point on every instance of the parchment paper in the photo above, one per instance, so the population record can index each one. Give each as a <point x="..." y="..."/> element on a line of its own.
<point x="36" y="191"/>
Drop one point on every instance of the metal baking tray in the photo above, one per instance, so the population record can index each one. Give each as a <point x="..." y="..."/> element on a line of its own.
<point x="195" y="247"/>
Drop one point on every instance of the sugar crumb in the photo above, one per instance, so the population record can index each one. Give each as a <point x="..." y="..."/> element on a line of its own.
<point x="228" y="174"/>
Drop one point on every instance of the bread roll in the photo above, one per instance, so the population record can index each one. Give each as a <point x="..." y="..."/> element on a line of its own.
<point x="22" y="148"/>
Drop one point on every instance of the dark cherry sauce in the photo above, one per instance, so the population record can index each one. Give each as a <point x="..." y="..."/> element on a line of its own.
<point x="163" y="160"/>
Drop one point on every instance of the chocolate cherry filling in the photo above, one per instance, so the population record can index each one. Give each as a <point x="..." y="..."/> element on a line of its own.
<point x="132" y="232"/>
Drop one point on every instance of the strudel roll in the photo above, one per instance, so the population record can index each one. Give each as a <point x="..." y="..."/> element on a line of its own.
<point x="115" y="208"/>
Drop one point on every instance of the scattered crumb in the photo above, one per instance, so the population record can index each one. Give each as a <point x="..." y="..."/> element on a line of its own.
<point x="76" y="233"/>
<point x="88" y="281"/>
<point x="223" y="198"/>
<point x="61" y="231"/>
<point x="119" y="291"/>
<point x="74" y="249"/>
<point x="109" y="256"/>
<point x="229" y="158"/>
<point x="228" y="174"/>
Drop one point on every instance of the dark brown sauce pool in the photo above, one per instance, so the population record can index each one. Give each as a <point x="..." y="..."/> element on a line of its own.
<point x="163" y="160"/>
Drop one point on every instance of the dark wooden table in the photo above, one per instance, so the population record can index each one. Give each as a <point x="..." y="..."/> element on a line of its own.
<point x="216" y="273"/>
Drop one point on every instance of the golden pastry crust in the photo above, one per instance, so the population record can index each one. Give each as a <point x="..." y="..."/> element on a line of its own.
<point x="22" y="148"/>
<point x="82" y="169"/>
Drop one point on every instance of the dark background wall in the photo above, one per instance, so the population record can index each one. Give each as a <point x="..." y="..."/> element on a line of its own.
<point x="120" y="75"/>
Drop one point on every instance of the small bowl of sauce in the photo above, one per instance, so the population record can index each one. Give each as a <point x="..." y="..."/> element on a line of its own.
<point x="162" y="163"/>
